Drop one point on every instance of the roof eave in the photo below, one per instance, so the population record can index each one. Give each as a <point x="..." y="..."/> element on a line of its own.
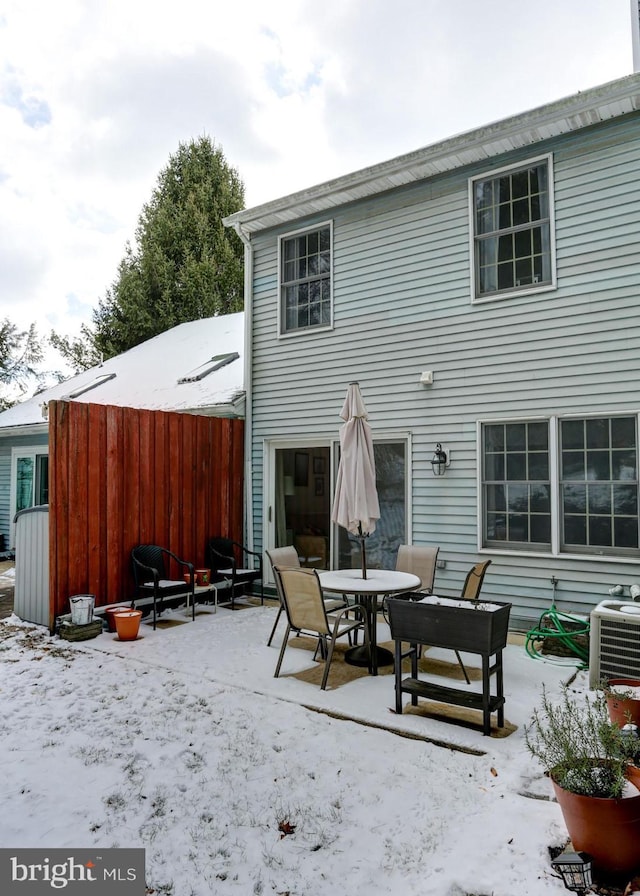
<point x="25" y="429"/>
<point x="573" y="113"/>
<point x="232" y="407"/>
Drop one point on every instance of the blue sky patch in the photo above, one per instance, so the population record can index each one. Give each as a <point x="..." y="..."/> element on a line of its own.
<point x="34" y="111"/>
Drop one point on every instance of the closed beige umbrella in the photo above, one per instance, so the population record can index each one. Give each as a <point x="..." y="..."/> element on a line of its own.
<point x="355" y="502"/>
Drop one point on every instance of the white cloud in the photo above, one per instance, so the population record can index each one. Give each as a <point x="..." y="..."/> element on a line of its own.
<point x="95" y="96"/>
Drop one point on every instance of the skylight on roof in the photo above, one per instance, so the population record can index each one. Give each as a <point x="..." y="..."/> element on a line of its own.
<point x="218" y="361"/>
<point x="105" y="377"/>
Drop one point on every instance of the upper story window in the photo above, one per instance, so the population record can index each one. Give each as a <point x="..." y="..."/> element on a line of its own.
<point x="305" y="279"/>
<point x="512" y="212"/>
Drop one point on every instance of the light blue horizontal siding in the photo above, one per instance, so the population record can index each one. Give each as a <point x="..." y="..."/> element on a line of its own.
<point x="5" y="492"/>
<point x="402" y="305"/>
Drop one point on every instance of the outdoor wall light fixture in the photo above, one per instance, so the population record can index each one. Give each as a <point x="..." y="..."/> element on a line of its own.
<point x="440" y="461"/>
<point x="575" y="870"/>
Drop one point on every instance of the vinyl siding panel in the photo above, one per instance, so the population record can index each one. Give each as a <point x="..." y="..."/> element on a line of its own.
<point x="402" y="304"/>
<point x="5" y="492"/>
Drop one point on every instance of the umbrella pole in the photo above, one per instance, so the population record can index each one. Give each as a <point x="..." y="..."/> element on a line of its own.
<point x="363" y="552"/>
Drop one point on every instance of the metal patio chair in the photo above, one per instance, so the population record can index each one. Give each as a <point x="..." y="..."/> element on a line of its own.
<point x="307" y="614"/>
<point x="471" y="591"/>
<point x="151" y="565"/>
<point x="420" y="560"/>
<point x="288" y="556"/>
<point x="222" y="559"/>
<point x="474" y="580"/>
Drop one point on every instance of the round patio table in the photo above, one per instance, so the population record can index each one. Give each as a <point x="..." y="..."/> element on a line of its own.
<point x="378" y="582"/>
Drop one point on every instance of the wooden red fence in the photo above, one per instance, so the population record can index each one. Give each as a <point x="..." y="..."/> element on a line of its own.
<point x="121" y="477"/>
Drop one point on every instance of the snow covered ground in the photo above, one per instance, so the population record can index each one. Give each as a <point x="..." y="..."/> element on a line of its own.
<point x="183" y="743"/>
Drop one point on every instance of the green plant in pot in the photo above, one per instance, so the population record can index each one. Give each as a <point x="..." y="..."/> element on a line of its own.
<point x="623" y="700"/>
<point x="589" y="761"/>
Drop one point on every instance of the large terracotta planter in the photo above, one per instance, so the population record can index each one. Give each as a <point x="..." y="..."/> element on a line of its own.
<point x="624" y="709"/>
<point x="607" y="829"/>
<point x="128" y="624"/>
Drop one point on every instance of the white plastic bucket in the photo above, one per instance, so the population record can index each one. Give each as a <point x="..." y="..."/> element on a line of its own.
<point x="82" y="608"/>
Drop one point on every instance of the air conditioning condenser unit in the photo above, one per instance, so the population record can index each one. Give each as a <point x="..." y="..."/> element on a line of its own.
<point x="614" y="641"/>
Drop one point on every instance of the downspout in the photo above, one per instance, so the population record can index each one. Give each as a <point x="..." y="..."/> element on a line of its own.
<point x="248" y="386"/>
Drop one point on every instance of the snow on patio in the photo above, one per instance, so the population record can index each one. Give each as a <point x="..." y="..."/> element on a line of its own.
<point x="183" y="743"/>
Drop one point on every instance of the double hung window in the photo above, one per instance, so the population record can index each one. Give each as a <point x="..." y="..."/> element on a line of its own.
<point x="562" y="485"/>
<point x="305" y="280"/>
<point x="517" y="484"/>
<point x="513" y="229"/>
<point x="599" y="484"/>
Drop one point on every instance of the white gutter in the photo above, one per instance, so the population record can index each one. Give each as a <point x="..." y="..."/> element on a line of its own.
<point x="526" y="129"/>
<point x="248" y="385"/>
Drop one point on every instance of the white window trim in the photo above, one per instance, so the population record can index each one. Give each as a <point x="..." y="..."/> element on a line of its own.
<point x="33" y="451"/>
<point x="303" y="331"/>
<point x="491" y="175"/>
<point x="554" y="421"/>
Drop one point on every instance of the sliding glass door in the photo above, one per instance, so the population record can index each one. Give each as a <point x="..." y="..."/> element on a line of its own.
<point x="392" y="527"/>
<point x="298" y="498"/>
<point x="301" y="506"/>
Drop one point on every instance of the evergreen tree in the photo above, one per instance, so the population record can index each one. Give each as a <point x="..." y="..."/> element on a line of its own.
<point x="20" y="352"/>
<point x="185" y="264"/>
<point x="79" y="351"/>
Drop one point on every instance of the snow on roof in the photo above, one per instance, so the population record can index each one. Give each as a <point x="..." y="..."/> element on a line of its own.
<point x="196" y="366"/>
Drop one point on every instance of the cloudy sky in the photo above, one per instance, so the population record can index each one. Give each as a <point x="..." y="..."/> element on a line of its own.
<point x="96" y="94"/>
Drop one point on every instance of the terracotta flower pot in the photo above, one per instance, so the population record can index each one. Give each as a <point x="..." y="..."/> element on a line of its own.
<point x="109" y="614"/>
<point x="624" y="709"/>
<point x="607" y="829"/>
<point x="128" y="624"/>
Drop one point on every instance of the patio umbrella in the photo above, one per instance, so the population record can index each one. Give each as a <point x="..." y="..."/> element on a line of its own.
<point x="355" y="502"/>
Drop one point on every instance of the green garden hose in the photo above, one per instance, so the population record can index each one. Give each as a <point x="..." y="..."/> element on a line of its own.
<point x="551" y="625"/>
